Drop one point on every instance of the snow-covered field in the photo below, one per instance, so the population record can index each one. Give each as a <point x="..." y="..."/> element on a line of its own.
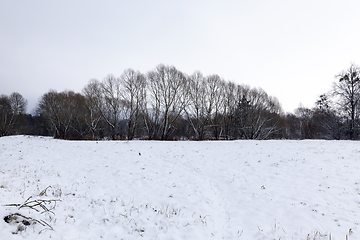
<point x="179" y="190"/>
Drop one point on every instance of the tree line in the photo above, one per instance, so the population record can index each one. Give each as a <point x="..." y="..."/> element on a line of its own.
<point x="166" y="104"/>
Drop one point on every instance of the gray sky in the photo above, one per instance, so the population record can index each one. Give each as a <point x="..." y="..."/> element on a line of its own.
<point x="291" y="49"/>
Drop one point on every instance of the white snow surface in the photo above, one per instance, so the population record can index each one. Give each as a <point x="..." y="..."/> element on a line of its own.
<point x="274" y="189"/>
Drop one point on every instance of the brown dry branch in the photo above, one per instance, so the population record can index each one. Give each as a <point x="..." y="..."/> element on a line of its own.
<point x="38" y="205"/>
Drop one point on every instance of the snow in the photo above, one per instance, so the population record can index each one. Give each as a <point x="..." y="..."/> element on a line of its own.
<point x="274" y="189"/>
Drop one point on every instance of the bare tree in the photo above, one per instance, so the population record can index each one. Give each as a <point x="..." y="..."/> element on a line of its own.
<point x="64" y="113"/>
<point x="347" y="89"/>
<point x="306" y="127"/>
<point x="53" y="107"/>
<point x="196" y="109"/>
<point x="228" y="108"/>
<point x="79" y="111"/>
<point x="94" y="104"/>
<point x="11" y="108"/>
<point x="215" y="98"/>
<point x="327" y="122"/>
<point x="256" y="114"/>
<point x="113" y="103"/>
<point x="6" y="116"/>
<point x="18" y="103"/>
<point x="134" y="97"/>
<point x="168" y="97"/>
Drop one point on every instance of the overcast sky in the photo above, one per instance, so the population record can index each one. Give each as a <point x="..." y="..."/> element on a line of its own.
<point x="291" y="49"/>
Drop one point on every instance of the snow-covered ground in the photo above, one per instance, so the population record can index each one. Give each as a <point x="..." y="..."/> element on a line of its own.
<point x="179" y="190"/>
